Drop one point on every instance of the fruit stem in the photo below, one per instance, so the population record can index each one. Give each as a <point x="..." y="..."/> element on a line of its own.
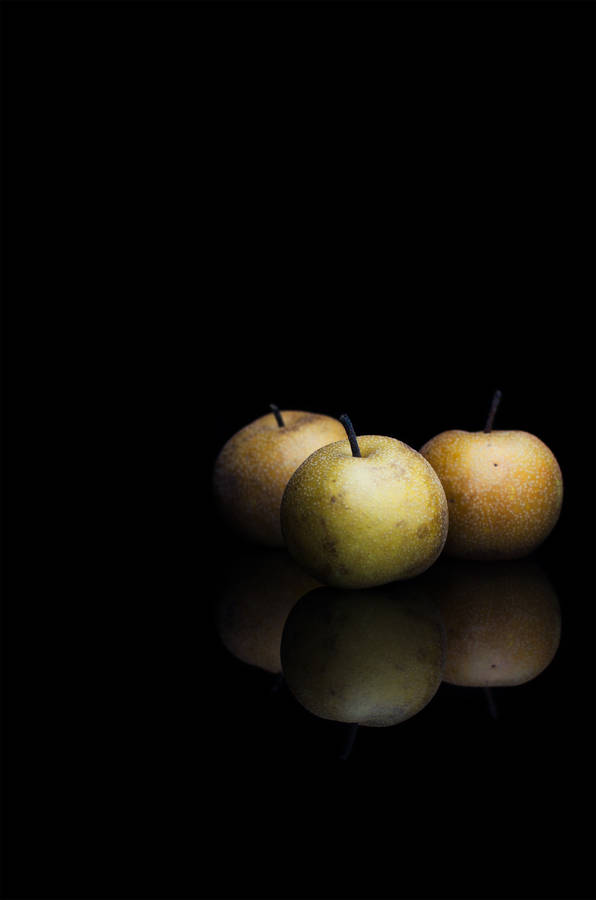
<point x="275" y="410"/>
<point x="345" y="421"/>
<point x="493" y="408"/>
<point x="490" y="702"/>
<point x="349" y="741"/>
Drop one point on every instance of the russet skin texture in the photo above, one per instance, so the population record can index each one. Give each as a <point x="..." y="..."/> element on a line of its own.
<point x="356" y="522"/>
<point x="502" y="621"/>
<point x="504" y="490"/>
<point x="255" y="464"/>
<point x="255" y="600"/>
<point x="371" y="657"/>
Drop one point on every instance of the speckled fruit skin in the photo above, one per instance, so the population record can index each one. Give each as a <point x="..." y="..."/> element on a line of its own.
<point x="356" y="522"/>
<point x="372" y="657"/>
<point x="502" y="621"/>
<point x="504" y="490"/>
<point x="259" y="589"/>
<point x="253" y="467"/>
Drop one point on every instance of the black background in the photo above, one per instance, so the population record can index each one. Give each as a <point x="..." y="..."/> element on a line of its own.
<point x="384" y="209"/>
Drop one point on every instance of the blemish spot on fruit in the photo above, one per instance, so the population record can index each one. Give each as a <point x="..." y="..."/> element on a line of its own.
<point x="494" y="666"/>
<point x="495" y="464"/>
<point x="328" y="544"/>
<point x="333" y="498"/>
<point x="422" y="531"/>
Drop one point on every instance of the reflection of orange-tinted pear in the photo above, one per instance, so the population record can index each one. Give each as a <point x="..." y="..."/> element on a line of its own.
<point x="260" y="590"/>
<point x="502" y="621"/>
<point x="370" y="657"/>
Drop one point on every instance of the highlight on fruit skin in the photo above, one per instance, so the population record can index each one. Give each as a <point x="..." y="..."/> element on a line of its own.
<point x="504" y="490"/>
<point x="369" y="657"/>
<point x="502" y="621"/>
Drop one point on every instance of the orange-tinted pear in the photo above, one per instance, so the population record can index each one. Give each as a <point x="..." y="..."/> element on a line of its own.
<point x="504" y="490"/>
<point x="254" y="466"/>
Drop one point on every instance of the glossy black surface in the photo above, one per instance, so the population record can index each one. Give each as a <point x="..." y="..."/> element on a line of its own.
<point x="211" y="208"/>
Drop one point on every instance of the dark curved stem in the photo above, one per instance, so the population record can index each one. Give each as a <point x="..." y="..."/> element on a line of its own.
<point x="493" y="408"/>
<point x="345" y="421"/>
<point x="275" y="410"/>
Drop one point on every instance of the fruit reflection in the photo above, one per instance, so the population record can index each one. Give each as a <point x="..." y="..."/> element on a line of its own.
<point x="369" y="657"/>
<point x="502" y="621"/>
<point x="259" y="591"/>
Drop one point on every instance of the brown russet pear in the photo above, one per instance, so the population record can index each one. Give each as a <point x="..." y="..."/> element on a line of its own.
<point x="257" y="593"/>
<point x="364" y="511"/>
<point x="502" y="621"/>
<point x="369" y="657"/>
<point x="504" y="490"/>
<point x="253" y="467"/>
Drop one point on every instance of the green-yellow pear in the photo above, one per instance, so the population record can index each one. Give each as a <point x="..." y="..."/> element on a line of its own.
<point x="504" y="490"/>
<point x="368" y="657"/>
<point x="253" y="467"/>
<point x="502" y="621"/>
<point x="260" y="589"/>
<point x="364" y="511"/>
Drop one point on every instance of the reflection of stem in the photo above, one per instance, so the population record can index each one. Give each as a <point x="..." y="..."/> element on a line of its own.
<point x="490" y="700"/>
<point x="349" y="741"/>
<point x="277" y="683"/>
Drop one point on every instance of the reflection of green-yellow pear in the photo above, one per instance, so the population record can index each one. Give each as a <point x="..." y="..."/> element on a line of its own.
<point x="260" y="590"/>
<point x="502" y="621"/>
<point x="365" y="512"/>
<point x="370" y="657"/>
